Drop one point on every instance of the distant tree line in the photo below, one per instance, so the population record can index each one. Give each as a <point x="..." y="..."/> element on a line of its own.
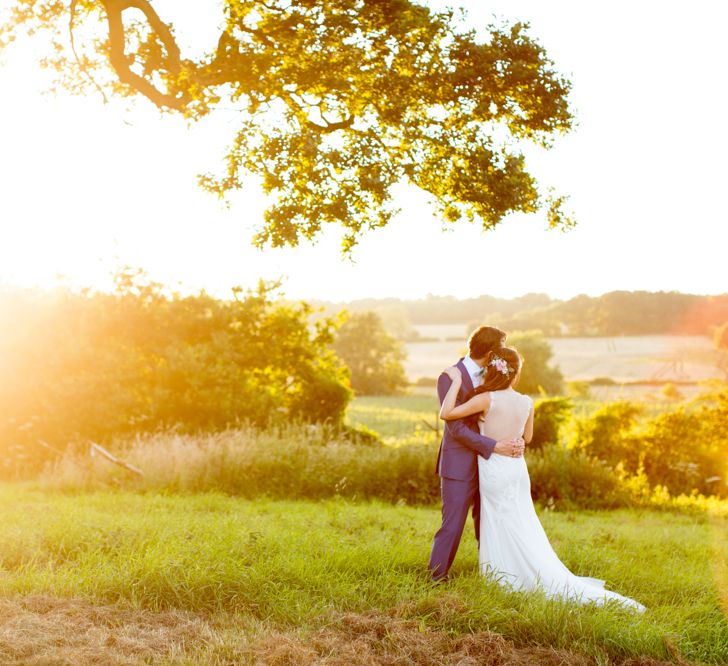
<point x="614" y="313"/>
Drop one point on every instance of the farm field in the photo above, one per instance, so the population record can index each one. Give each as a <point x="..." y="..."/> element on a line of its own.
<point x="412" y="418"/>
<point x="623" y="359"/>
<point x="397" y="418"/>
<point x="210" y="579"/>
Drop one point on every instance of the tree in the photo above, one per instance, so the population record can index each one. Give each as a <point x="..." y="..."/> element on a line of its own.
<point x="623" y="313"/>
<point x="339" y="101"/>
<point x="550" y="414"/>
<point x="537" y="375"/>
<point x="373" y="357"/>
<point x="91" y="366"/>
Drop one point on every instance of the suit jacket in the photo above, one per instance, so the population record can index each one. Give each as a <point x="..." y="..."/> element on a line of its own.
<point x="462" y="442"/>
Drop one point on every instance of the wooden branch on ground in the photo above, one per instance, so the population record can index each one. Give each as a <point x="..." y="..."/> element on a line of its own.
<point x="48" y="447"/>
<point x="428" y="424"/>
<point x="97" y="449"/>
<point x="436" y="427"/>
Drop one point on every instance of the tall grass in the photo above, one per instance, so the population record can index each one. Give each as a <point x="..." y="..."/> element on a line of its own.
<point x="295" y="462"/>
<point x="292" y="564"/>
<point x="312" y="463"/>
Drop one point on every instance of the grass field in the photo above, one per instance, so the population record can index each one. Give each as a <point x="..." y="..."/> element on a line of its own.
<point x="398" y="419"/>
<point x="413" y="418"/>
<point x="174" y="574"/>
<point x="209" y="579"/>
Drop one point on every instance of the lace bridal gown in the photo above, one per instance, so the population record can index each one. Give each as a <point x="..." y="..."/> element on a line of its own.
<point x="513" y="544"/>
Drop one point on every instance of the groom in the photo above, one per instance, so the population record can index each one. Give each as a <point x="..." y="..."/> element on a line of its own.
<point x="457" y="460"/>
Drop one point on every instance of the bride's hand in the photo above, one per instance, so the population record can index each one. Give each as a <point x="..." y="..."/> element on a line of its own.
<point x="454" y="373"/>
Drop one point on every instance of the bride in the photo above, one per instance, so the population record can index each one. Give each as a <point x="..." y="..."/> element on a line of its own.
<point x="513" y="544"/>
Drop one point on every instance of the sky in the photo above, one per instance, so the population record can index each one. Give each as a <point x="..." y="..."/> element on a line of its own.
<point x="86" y="188"/>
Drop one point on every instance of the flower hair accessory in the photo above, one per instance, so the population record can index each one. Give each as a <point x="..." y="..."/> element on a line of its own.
<point x="500" y="365"/>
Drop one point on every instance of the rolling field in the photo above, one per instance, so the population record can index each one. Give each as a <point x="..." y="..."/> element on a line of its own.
<point x="126" y="578"/>
<point x="623" y="359"/>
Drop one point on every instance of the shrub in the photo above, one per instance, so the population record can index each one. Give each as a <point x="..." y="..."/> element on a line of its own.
<point x="578" y="390"/>
<point x="296" y="461"/>
<point x="568" y="479"/>
<point x="670" y="392"/>
<point x="318" y="461"/>
<point x="682" y="450"/>
<point x="686" y="450"/>
<point x="549" y="416"/>
<point x="603" y="381"/>
<point x="604" y="434"/>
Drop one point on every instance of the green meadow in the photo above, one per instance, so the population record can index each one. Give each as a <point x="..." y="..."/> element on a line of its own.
<point x="200" y="563"/>
<point x="233" y="573"/>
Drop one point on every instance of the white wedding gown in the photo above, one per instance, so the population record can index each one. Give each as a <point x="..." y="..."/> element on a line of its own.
<point x="513" y="544"/>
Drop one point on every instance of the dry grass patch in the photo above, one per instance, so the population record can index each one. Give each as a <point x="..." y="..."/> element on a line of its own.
<point x="45" y="631"/>
<point x="385" y="639"/>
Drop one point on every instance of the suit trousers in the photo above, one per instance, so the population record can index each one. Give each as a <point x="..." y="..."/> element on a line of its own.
<point x="457" y="498"/>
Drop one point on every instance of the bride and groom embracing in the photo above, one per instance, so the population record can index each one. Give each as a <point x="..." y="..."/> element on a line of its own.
<point x="481" y="464"/>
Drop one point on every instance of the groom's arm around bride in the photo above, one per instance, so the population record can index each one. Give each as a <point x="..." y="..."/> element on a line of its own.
<point x="457" y="459"/>
<point x="465" y="431"/>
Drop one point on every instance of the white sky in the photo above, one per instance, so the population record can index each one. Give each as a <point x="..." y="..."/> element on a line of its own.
<point x="86" y="187"/>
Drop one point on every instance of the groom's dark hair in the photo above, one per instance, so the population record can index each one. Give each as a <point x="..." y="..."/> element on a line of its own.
<point x="485" y="339"/>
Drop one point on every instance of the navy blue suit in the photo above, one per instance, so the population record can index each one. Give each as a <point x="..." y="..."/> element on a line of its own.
<point x="457" y="465"/>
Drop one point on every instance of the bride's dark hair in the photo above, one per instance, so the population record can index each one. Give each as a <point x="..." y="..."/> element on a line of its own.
<point x="494" y="379"/>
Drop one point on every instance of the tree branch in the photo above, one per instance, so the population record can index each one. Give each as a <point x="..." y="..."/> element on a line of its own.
<point x="333" y="126"/>
<point x="346" y="123"/>
<point x="81" y="66"/>
<point x="120" y="62"/>
<point x="161" y="28"/>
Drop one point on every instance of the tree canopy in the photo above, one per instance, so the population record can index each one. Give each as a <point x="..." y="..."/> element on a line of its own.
<point x="339" y="102"/>
<point x="374" y="357"/>
<point x="537" y="375"/>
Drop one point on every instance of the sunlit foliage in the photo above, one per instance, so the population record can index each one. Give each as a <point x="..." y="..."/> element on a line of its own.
<point x="683" y="449"/>
<point x="84" y="366"/>
<point x="339" y="102"/>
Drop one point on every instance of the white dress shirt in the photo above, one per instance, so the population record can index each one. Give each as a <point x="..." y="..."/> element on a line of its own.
<point x="474" y="370"/>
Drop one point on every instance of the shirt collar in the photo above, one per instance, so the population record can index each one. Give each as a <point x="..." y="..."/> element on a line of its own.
<point x="471" y="366"/>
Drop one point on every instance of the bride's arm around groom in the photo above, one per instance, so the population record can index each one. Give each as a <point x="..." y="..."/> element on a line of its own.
<point x="463" y="427"/>
<point x="457" y="459"/>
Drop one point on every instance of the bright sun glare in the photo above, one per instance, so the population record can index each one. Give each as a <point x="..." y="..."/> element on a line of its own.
<point x="88" y="187"/>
